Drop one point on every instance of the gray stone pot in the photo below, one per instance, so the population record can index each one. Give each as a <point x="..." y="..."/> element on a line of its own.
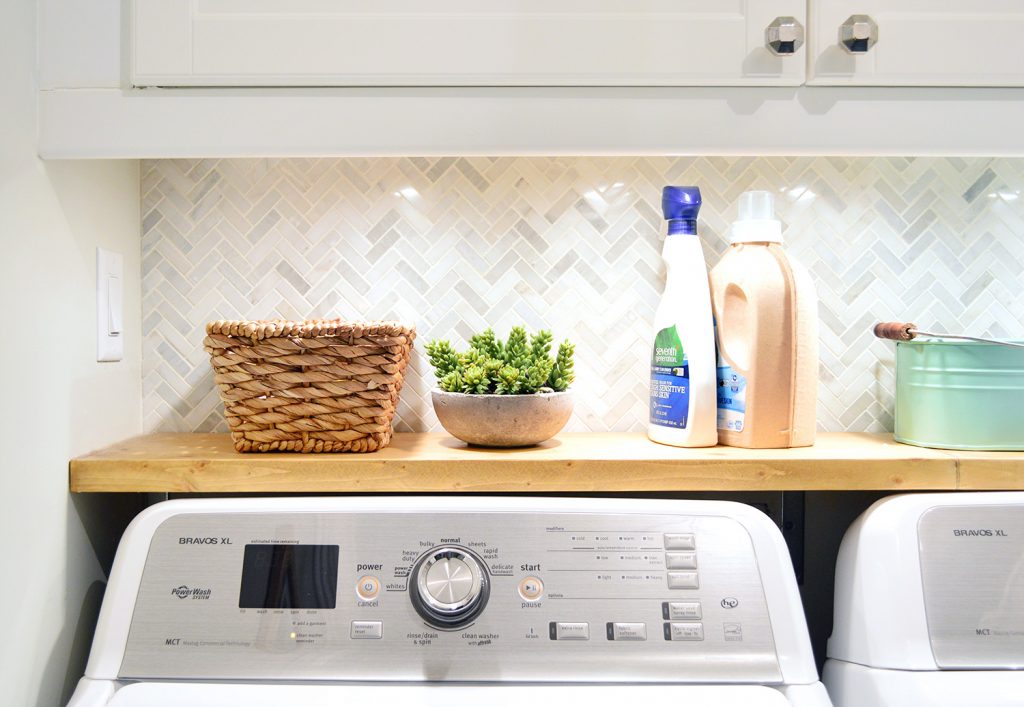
<point x="502" y="420"/>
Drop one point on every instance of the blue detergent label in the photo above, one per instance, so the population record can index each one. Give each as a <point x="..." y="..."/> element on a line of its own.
<point x="670" y="380"/>
<point x="732" y="398"/>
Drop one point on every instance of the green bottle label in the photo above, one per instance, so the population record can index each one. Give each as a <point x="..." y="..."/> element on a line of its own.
<point x="670" y="380"/>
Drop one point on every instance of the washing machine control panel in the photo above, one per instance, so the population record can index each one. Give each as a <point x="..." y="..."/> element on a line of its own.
<point x="452" y="596"/>
<point x="972" y="574"/>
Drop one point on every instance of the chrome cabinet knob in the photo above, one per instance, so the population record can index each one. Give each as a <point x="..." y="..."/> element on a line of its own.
<point x="784" y="36"/>
<point x="858" y="34"/>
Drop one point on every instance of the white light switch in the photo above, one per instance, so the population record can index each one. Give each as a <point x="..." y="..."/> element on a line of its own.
<point x="114" y="306"/>
<point x="109" y="305"/>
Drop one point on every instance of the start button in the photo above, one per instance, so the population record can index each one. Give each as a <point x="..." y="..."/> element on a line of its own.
<point x="531" y="589"/>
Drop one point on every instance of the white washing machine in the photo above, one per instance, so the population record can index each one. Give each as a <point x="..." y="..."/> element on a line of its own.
<point x="929" y="604"/>
<point x="451" y="601"/>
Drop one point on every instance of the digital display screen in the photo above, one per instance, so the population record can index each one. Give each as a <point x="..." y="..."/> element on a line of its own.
<point x="289" y="577"/>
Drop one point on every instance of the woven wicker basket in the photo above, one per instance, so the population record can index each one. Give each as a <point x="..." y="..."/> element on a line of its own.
<point x="316" y="386"/>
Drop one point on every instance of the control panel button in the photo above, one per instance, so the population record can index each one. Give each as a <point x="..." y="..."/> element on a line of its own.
<point x="531" y="589"/>
<point x="367" y="629"/>
<point x="620" y="631"/>
<point x="680" y="541"/>
<point x="368" y="587"/>
<point x="681" y="610"/>
<point x="569" y="631"/>
<point x="681" y="560"/>
<point x="684" y="631"/>
<point x="683" y="580"/>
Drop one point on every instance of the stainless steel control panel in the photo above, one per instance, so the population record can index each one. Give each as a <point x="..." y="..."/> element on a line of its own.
<point x="451" y="596"/>
<point x="972" y="569"/>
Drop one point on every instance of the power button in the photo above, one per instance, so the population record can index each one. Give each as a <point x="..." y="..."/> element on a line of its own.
<point x="531" y="589"/>
<point x="368" y="587"/>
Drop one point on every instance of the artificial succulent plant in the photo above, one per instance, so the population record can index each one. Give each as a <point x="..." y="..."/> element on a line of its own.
<point x="518" y="366"/>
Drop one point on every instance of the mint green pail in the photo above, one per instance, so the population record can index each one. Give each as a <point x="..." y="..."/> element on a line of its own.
<point x="959" y="395"/>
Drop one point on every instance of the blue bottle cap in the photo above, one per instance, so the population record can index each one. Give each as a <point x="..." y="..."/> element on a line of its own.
<point x="680" y="205"/>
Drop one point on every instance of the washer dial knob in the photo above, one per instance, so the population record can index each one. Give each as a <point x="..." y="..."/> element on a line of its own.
<point x="449" y="586"/>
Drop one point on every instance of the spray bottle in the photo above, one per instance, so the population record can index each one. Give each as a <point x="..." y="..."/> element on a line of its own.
<point x="683" y="392"/>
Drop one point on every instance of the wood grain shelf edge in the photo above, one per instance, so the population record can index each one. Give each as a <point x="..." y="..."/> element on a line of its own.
<point x="572" y="462"/>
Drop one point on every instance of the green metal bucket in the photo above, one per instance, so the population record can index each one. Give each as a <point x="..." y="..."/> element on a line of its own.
<point x="959" y="395"/>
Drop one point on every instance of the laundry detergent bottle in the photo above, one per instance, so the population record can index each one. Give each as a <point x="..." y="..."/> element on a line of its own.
<point x="682" y="395"/>
<point x="766" y="311"/>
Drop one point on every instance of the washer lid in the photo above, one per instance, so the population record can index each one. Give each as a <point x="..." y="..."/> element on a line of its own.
<point x="163" y="694"/>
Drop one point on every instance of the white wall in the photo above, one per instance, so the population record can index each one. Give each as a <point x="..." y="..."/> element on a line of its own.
<point x="56" y="401"/>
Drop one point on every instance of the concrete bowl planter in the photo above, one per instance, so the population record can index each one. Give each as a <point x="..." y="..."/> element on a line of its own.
<point x="502" y="420"/>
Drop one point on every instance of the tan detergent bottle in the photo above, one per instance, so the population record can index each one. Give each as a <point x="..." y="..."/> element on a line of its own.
<point x="766" y="314"/>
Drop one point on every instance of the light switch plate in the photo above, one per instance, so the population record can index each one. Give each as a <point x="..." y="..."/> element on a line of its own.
<point x="109" y="305"/>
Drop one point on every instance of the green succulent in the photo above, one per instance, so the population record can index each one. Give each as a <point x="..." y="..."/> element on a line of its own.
<point x="518" y="366"/>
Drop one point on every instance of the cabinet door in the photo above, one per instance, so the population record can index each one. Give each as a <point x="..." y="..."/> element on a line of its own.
<point x="461" y="43"/>
<point x="918" y="43"/>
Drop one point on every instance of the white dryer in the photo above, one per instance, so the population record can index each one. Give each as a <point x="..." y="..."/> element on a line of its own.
<point x="929" y="604"/>
<point x="451" y="601"/>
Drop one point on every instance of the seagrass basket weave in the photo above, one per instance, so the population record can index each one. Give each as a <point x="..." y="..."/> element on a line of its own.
<point x="316" y="386"/>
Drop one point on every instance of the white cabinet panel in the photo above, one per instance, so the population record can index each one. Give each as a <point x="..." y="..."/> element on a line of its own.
<point x="920" y="43"/>
<point x="80" y="44"/>
<point x="460" y="43"/>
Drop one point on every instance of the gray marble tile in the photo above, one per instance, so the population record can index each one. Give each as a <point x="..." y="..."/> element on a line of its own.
<point x="572" y="243"/>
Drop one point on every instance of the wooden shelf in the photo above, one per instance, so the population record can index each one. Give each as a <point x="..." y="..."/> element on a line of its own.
<point x="580" y="462"/>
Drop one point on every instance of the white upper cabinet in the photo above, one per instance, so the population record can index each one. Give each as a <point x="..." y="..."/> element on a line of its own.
<point x="248" y="78"/>
<point x="916" y="43"/>
<point x="189" y="43"/>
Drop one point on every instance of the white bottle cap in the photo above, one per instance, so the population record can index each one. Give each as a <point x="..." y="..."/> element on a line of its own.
<point x="756" y="222"/>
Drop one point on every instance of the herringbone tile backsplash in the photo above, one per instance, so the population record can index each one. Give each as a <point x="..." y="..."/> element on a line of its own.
<point x="572" y="244"/>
